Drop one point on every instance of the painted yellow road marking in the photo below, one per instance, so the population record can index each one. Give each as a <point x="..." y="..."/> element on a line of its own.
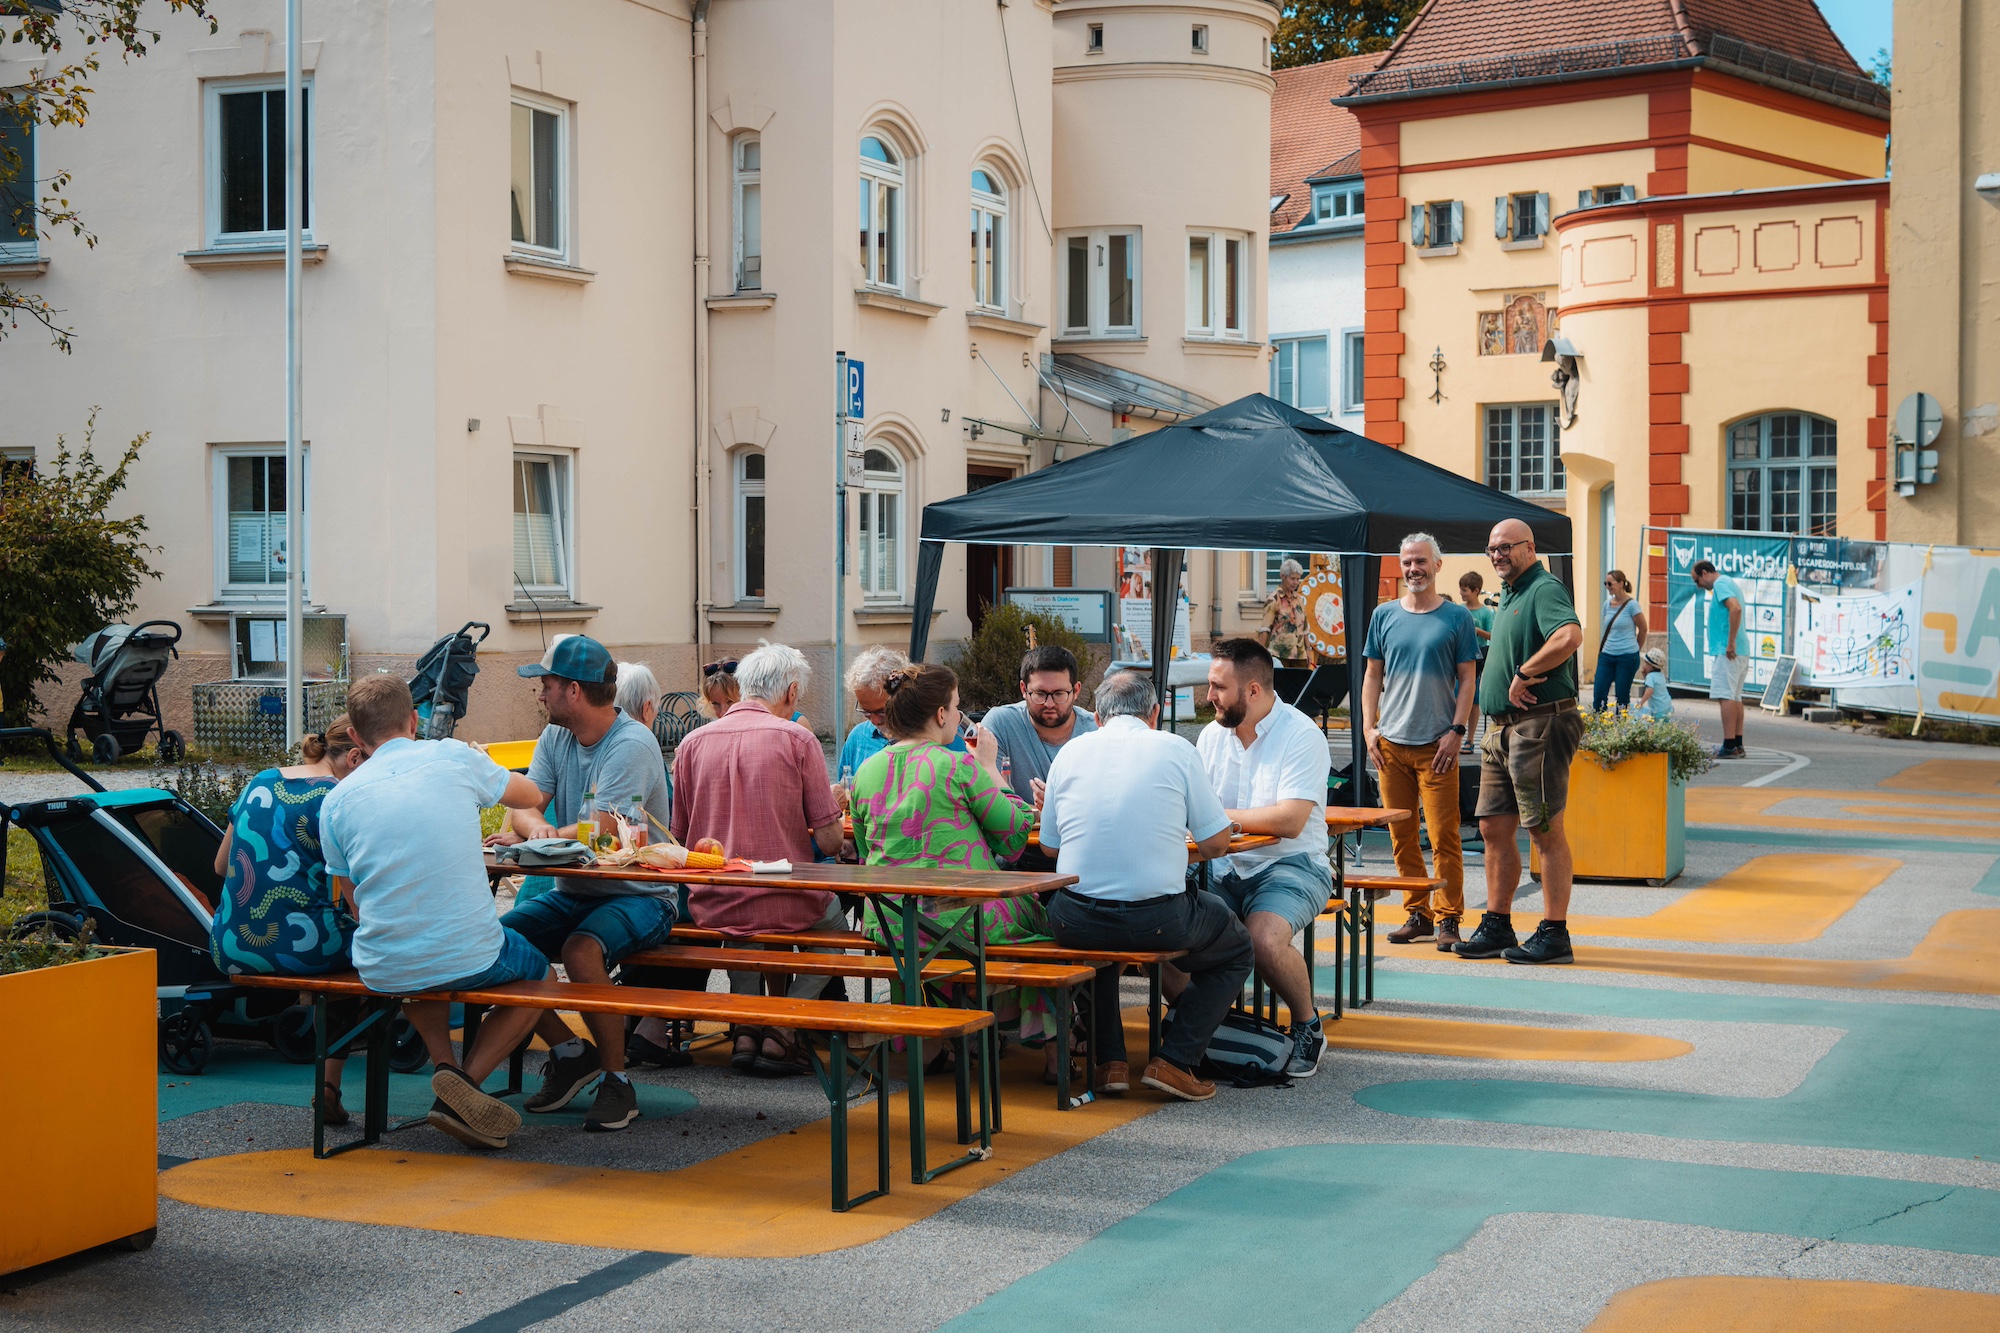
<point x="1360" y="1031"/>
<point x="1749" y="807"/>
<point x="1787" y="1305"/>
<point x="1777" y="899"/>
<point x="1980" y="776"/>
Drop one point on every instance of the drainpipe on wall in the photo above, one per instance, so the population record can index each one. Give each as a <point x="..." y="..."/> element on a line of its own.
<point x="702" y="598"/>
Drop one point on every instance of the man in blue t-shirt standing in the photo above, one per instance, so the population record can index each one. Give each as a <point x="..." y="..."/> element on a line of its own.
<point x="1729" y="653"/>
<point x="1416" y="703"/>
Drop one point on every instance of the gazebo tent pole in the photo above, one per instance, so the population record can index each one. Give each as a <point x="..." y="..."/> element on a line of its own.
<point x="1166" y="610"/>
<point x="1357" y="586"/>
<point x="930" y="559"/>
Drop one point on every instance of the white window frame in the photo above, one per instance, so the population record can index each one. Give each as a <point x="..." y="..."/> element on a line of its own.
<point x="14" y="247"/>
<point x="219" y="456"/>
<point x="878" y="178"/>
<point x="1198" y="39"/>
<point x="1097" y="290"/>
<point x="1093" y="40"/>
<point x="1215" y="324"/>
<point x="1353" y="370"/>
<point x="749" y="488"/>
<point x="992" y="207"/>
<point x="213" y="91"/>
<point x="876" y="486"/>
<point x="1272" y="565"/>
<point x="565" y="205"/>
<point x="562" y="475"/>
<point x="1288" y="351"/>
<point x="1351" y="194"/>
<point x="746" y="179"/>
<point x="1554" y="477"/>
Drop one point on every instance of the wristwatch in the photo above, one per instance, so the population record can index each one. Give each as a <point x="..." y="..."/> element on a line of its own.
<point x="1458" y="727"/>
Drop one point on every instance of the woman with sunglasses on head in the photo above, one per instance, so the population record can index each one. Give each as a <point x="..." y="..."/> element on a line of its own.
<point x="720" y="692"/>
<point x="1620" y="645"/>
<point x="917" y="803"/>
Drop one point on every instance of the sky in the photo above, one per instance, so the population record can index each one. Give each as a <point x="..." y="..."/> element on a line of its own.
<point x="1862" y="24"/>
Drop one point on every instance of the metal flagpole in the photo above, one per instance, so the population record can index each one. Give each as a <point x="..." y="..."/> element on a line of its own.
<point x="840" y="549"/>
<point x="295" y="711"/>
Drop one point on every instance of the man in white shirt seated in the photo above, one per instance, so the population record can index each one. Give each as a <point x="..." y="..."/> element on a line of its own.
<point x="1121" y="803"/>
<point x="1269" y="763"/>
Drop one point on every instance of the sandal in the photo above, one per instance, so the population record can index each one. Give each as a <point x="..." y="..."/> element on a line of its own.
<point x="749" y="1042"/>
<point x="790" y="1060"/>
<point x="332" y="1112"/>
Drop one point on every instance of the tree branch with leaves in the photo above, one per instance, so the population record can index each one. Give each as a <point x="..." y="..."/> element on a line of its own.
<point x="68" y="41"/>
<point x="1310" y="31"/>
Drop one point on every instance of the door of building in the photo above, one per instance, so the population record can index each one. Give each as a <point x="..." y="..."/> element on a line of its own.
<point x="989" y="570"/>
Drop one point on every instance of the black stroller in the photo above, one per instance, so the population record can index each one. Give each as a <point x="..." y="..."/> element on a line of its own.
<point x="444" y="679"/>
<point x="120" y="704"/>
<point x="139" y="865"/>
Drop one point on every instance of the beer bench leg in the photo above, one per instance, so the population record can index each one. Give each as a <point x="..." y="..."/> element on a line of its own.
<point x="834" y="1078"/>
<point x="373" y="1026"/>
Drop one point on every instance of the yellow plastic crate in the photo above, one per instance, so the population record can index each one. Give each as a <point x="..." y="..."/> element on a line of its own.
<point x="516" y="755"/>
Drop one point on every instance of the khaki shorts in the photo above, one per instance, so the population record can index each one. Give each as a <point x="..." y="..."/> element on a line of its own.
<point x="1725" y="676"/>
<point x="1524" y="765"/>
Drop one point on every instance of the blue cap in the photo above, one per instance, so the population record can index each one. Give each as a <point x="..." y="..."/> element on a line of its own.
<point x="578" y="657"/>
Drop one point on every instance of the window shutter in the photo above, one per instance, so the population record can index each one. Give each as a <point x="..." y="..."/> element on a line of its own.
<point x="1420" y="226"/>
<point x="1503" y="217"/>
<point x="1457" y="222"/>
<point x="1584" y="198"/>
<point x="1541" y="215"/>
<point x="1627" y="193"/>
<point x="1314" y="374"/>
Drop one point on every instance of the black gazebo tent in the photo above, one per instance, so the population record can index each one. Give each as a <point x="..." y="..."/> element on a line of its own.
<point x="1251" y="475"/>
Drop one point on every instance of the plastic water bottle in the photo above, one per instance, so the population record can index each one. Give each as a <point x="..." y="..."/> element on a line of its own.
<point x="635" y="823"/>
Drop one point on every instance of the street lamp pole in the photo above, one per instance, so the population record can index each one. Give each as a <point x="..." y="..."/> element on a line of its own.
<point x="295" y="712"/>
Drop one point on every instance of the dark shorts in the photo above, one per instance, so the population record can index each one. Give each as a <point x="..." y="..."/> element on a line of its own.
<point x="1524" y="765"/>
<point x="518" y="961"/>
<point x="621" y="924"/>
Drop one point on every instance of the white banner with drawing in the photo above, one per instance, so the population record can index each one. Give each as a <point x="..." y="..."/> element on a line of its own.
<point x="1858" y="638"/>
<point x="1960" y="644"/>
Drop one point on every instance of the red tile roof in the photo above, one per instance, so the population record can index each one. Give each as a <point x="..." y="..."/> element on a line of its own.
<point x="1455" y="43"/>
<point x="1309" y="133"/>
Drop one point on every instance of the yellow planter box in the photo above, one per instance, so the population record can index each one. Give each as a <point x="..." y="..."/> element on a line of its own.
<point x="1624" y="822"/>
<point x="80" y="1117"/>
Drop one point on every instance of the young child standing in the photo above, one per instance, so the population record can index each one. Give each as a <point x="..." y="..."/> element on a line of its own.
<point x="1655" y="700"/>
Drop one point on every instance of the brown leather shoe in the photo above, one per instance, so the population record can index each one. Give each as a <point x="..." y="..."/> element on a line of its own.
<point x="1417" y="927"/>
<point x="1114" y="1076"/>
<point x="1447" y="936"/>
<point x="1177" y="1082"/>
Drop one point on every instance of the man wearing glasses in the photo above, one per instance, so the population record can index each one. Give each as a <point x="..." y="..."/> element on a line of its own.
<point x="1032" y="731"/>
<point x="1528" y="693"/>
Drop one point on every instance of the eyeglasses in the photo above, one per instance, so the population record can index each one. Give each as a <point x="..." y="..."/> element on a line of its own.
<point x="1502" y="548"/>
<point x="1050" y="696"/>
<point x="725" y="667"/>
<point x="874" y="714"/>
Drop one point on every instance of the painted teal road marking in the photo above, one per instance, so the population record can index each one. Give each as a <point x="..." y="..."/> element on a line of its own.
<point x="1904" y="1078"/>
<point x="1200" y="1257"/>
<point x="1823" y="842"/>
<point x="247" y="1074"/>
<point x="1990" y="882"/>
<point x="562" y="1299"/>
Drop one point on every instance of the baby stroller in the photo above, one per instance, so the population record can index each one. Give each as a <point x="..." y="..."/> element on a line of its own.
<point x="139" y="865"/>
<point x="444" y="679"/>
<point x="120" y="704"/>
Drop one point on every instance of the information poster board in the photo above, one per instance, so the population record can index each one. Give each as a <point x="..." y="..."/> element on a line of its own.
<point x="1840" y="564"/>
<point x="1759" y="566"/>
<point x="1085" y="610"/>
<point x="1134" y="639"/>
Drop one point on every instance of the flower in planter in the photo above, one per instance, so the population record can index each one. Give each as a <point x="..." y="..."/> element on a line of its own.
<point x="1614" y="735"/>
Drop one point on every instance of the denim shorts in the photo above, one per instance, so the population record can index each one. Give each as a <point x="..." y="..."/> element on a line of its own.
<point x="621" y="924"/>
<point x="518" y="961"/>
<point x="1294" y="887"/>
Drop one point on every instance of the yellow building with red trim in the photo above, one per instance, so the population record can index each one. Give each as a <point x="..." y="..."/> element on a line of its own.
<point x="1684" y="197"/>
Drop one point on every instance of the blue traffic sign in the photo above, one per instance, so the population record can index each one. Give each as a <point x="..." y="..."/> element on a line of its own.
<point x="856" y="406"/>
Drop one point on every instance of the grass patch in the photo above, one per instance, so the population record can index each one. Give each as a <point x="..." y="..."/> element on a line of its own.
<point x="1941" y="729"/>
<point x="25" y="891"/>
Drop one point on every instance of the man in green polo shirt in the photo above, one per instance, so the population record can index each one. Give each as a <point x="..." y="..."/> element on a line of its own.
<point x="1533" y="728"/>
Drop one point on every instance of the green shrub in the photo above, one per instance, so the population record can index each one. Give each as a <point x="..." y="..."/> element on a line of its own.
<point x="989" y="666"/>
<point x="211" y="787"/>
<point x="43" y="949"/>
<point x="1613" y="735"/>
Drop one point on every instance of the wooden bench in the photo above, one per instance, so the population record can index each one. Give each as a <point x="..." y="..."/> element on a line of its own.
<point x="1366" y="891"/>
<point x="835" y="1019"/>
<point x="945" y="974"/>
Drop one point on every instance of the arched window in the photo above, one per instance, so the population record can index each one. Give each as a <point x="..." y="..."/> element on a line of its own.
<point x="881" y="498"/>
<point x="1782" y="474"/>
<point x="749" y="162"/>
<point x="882" y="225"/>
<point x="989" y="240"/>
<point x="750" y="526"/>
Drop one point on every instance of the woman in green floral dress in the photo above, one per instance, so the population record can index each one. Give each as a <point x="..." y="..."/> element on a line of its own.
<point x="918" y="803"/>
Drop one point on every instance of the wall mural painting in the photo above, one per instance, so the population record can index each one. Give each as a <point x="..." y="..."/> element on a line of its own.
<point x="1518" y="328"/>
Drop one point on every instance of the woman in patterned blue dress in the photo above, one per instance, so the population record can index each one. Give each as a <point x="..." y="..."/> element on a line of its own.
<point x="277" y="914"/>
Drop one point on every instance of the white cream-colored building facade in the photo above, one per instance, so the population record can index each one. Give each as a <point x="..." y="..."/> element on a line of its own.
<point x="576" y="281"/>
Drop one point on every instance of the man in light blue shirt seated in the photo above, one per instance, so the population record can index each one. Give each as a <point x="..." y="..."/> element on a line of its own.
<point x="1121" y="804"/>
<point x="403" y="846"/>
<point x="867" y="680"/>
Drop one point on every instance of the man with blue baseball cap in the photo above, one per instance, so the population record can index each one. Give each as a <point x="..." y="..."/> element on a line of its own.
<point x="589" y="745"/>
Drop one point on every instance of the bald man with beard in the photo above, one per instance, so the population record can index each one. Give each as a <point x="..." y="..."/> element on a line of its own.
<point x="1528" y="693"/>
